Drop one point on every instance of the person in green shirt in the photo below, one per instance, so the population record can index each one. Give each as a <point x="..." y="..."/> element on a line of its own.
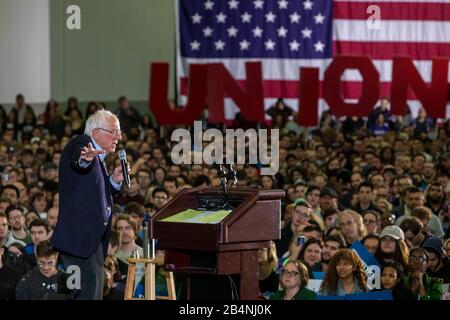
<point x="416" y="280"/>
<point x="294" y="277"/>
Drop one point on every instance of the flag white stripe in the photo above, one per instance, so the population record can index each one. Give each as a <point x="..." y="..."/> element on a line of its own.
<point x="284" y="69"/>
<point x="392" y="30"/>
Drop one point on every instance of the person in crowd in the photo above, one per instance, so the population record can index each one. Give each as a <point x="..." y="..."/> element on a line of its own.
<point x="129" y="116"/>
<point x="372" y="221"/>
<point x="45" y="280"/>
<point x="351" y="225"/>
<point x="366" y="197"/>
<point x="392" y="279"/>
<point x="414" y="231"/>
<point x="392" y="246"/>
<point x="345" y="275"/>
<point x="6" y="236"/>
<point x="127" y="228"/>
<point x="268" y="266"/>
<point x="293" y="280"/>
<point x="39" y="231"/>
<point x="332" y="244"/>
<point x="415" y="198"/>
<point x="438" y="263"/>
<point x="311" y="254"/>
<point x="113" y="288"/>
<point x="300" y="218"/>
<point x="371" y="242"/>
<point x="16" y="222"/>
<point x="417" y="280"/>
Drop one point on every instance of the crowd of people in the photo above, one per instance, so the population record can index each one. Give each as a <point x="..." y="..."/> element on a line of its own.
<point x="382" y="181"/>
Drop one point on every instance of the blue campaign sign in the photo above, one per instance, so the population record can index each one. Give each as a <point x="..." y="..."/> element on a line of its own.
<point x="318" y="275"/>
<point x="364" y="254"/>
<point x="373" y="295"/>
<point x="372" y="267"/>
<point x="319" y="297"/>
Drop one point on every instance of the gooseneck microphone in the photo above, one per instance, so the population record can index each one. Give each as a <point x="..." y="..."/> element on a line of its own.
<point x="124" y="164"/>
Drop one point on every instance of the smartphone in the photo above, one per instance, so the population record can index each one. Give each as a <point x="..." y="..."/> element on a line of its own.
<point x="301" y="240"/>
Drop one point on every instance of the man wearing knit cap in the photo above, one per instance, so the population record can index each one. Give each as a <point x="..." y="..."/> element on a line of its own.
<point x="438" y="264"/>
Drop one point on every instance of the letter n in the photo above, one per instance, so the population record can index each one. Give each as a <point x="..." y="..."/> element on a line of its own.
<point x="433" y="97"/>
<point x="250" y="102"/>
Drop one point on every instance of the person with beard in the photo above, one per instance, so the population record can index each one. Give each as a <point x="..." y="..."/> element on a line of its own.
<point x="392" y="246"/>
<point x="438" y="264"/>
<point x="435" y="197"/>
<point x="127" y="228"/>
<point x="17" y="224"/>
<point x="423" y="286"/>
<point x="332" y="244"/>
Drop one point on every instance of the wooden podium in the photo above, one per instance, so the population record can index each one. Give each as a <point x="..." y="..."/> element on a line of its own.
<point x="229" y="247"/>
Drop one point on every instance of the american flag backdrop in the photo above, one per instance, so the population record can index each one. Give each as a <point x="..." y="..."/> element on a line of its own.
<point x="288" y="34"/>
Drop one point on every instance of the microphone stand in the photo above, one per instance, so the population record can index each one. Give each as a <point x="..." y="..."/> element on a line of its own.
<point x="149" y="244"/>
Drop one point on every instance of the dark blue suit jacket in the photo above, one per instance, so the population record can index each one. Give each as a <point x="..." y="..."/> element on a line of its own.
<point x="85" y="196"/>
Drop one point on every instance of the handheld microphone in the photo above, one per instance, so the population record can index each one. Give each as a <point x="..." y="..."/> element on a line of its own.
<point x="124" y="164"/>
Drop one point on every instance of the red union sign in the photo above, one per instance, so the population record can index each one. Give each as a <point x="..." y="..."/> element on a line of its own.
<point x="209" y="83"/>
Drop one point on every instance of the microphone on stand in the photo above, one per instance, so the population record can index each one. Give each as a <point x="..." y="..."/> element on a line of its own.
<point x="124" y="164"/>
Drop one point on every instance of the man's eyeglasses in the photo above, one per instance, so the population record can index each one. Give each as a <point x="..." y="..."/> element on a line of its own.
<point x="289" y="273"/>
<point x="114" y="132"/>
<point x="45" y="264"/>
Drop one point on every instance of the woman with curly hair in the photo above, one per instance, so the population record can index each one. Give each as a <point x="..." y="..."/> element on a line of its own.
<point x="345" y="275"/>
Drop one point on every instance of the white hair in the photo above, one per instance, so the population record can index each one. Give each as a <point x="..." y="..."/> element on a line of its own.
<point x="98" y="120"/>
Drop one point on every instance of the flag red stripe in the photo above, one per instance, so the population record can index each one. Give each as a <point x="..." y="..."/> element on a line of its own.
<point x="289" y="89"/>
<point x="386" y="50"/>
<point x="392" y="10"/>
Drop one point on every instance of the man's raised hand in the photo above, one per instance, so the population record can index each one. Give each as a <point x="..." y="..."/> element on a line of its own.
<point x="88" y="153"/>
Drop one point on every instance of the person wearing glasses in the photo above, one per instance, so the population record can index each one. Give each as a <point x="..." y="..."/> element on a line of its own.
<point x="422" y="286"/>
<point x="86" y="191"/>
<point x="44" y="280"/>
<point x="300" y="219"/>
<point x="293" y="280"/>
